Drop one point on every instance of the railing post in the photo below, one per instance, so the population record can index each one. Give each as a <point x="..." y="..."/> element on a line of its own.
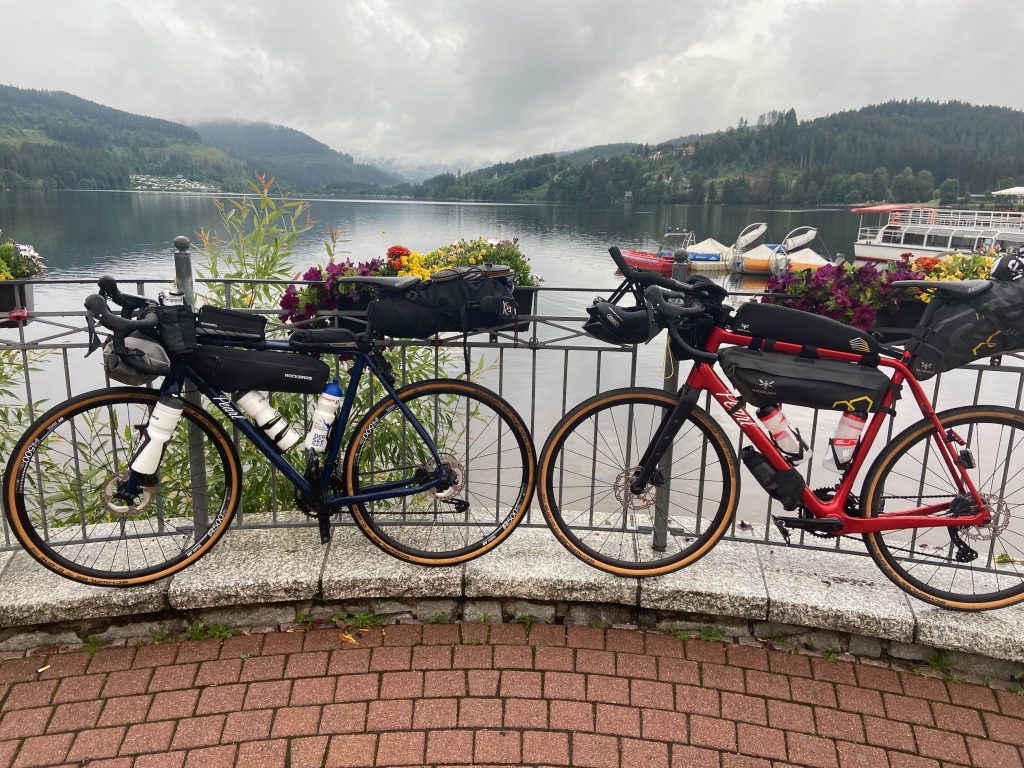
<point x="661" y="514"/>
<point x="196" y="456"/>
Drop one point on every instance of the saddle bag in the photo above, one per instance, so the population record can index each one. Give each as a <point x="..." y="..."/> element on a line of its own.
<point x="463" y="299"/>
<point x="764" y="378"/>
<point x="235" y="370"/>
<point x="956" y="331"/>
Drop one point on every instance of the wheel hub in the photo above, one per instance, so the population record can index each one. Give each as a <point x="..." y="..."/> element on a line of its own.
<point x="117" y="507"/>
<point x="456" y="477"/>
<point x="999" y="519"/>
<point x="628" y="499"/>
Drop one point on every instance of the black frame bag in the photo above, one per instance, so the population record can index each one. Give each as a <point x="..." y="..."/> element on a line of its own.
<point x="955" y="331"/>
<point x="234" y="370"/>
<point x="764" y="378"/>
<point x="463" y="299"/>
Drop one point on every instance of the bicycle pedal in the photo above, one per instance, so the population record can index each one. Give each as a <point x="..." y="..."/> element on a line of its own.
<point x="781" y="526"/>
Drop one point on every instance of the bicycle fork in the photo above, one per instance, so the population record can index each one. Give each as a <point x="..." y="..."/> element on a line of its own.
<point x="663" y="437"/>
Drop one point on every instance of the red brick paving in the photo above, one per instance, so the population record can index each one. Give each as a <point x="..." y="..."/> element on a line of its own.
<point x="448" y="695"/>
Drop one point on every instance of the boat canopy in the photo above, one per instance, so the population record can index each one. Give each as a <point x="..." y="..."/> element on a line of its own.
<point x="889" y="207"/>
<point x="1011" y="192"/>
<point x="709" y="245"/>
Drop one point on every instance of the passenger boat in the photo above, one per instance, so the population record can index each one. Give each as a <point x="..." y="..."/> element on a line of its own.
<point x="924" y="231"/>
<point x="662" y="261"/>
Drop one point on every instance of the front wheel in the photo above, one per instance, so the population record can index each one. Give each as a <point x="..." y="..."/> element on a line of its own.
<point x="585" y="472"/>
<point x="911" y="473"/>
<point x="483" y="444"/>
<point x="59" y="487"/>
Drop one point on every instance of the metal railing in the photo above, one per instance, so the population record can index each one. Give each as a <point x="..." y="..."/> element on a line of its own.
<point x="543" y="370"/>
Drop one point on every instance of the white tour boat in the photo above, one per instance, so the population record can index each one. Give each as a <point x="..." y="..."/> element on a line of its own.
<point x="923" y="231"/>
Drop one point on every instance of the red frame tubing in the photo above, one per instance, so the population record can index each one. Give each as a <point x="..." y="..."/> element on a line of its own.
<point x="703" y="376"/>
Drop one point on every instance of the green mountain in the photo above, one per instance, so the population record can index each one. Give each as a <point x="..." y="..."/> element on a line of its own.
<point x="292" y="157"/>
<point x="901" y="150"/>
<point x="51" y="139"/>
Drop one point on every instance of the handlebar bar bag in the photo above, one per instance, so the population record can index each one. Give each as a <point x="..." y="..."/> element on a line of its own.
<point x="236" y="370"/>
<point x="764" y="378"/>
<point x="147" y="351"/>
<point x="177" y="328"/>
<point x="955" y="331"/>
<point x="227" y="323"/>
<point x="464" y="299"/>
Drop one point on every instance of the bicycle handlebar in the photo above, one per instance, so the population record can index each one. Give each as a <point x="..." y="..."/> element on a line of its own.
<point x="99" y="310"/>
<point x="673" y="313"/>
<point x="108" y="289"/>
<point x="643" y="276"/>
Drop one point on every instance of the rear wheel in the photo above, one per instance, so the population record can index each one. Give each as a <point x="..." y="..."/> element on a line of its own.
<point x="487" y="450"/>
<point x="60" y="479"/>
<point x="587" y="465"/>
<point x="911" y="473"/>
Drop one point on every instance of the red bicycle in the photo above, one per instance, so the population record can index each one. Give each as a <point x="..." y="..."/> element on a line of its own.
<point x="638" y="482"/>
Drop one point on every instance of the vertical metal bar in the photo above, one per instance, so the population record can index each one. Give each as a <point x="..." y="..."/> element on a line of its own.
<point x="196" y="458"/>
<point x="671" y="385"/>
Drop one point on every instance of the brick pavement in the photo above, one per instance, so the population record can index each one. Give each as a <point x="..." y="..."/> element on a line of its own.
<point x="447" y="695"/>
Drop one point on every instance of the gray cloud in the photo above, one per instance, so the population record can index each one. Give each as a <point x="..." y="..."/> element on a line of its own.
<point x="470" y="82"/>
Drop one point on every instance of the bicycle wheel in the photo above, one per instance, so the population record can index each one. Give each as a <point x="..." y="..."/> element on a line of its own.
<point x="586" y="466"/>
<point x="910" y="473"/>
<point x="488" y="448"/>
<point x="60" y="478"/>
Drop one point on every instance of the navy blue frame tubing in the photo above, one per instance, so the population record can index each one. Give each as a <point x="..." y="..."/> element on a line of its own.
<point x="173" y="385"/>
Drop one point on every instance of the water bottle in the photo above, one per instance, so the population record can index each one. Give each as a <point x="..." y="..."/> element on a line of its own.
<point x="258" y="408"/>
<point x="844" y="441"/>
<point x="162" y="423"/>
<point x="173" y="298"/>
<point x="323" y="417"/>
<point x="786" y="437"/>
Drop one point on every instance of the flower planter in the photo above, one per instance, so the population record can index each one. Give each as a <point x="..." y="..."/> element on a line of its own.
<point x="14" y="295"/>
<point x="892" y="326"/>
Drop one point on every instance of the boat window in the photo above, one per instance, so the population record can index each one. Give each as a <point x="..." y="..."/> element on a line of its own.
<point x="963" y="243"/>
<point x="937" y="241"/>
<point x="913" y="238"/>
<point x="891" y="235"/>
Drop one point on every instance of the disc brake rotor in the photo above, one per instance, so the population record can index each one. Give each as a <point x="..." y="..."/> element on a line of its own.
<point x="114" y="506"/>
<point x="999" y="519"/>
<point x="456" y="475"/>
<point x="627" y="498"/>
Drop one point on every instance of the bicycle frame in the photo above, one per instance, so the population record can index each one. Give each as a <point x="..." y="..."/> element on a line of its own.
<point x="703" y="377"/>
<point x="174" y="385"/>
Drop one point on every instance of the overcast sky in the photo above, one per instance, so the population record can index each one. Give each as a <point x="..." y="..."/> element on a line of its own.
<point x="472" y="82"/>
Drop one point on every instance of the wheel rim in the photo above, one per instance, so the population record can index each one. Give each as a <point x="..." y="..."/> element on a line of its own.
<point x="63" y="493"/>
<point x="491" y="467"/>
<point x="587" y="474"/>
<point x="925" y="558"/>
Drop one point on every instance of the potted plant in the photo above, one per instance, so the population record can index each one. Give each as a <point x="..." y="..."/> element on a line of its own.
<point x="17" y="262"/>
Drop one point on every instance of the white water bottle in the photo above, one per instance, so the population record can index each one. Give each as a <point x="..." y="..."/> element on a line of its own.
<point x="786" y="437"/>
<point x="258" y="408"/>
<point x="162" y="423"/>
<point x="844" y="441"/>
<point x="324" y="415"/>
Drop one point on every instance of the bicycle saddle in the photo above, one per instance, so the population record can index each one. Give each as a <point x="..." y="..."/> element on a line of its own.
<point x="958" y="288"/>
<point x="388" y="284"/>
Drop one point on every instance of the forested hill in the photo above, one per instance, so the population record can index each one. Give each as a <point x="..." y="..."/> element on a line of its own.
<point x="292" y="157"/>
<point x="52" y="139"/>
<point x="906" y="150"/>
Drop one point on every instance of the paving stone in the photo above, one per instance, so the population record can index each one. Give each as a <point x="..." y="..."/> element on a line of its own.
<point x="999" y="634"/>
<point x="253" y="566"/>
<point x="833" y="590"/>
<point x="34" y="595"/>
<point x="725" y="582"/>
<point x="532" y="565"/>
<point x="355" y="569"/>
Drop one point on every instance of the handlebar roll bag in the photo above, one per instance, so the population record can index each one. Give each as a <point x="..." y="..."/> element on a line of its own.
<point x="764" y="378"/>
<point x="177" y="329"/>
<point x="236" y="370"/>
<point x="140" y="348"/>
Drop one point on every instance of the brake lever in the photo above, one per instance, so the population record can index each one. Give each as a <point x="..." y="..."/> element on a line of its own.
<point x="94" y="338"/>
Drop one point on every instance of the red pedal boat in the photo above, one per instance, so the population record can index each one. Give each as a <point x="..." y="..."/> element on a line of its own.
<point x="662" y="261"/>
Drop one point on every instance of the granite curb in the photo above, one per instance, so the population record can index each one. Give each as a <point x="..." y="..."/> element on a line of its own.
<point x="780" y="589"/>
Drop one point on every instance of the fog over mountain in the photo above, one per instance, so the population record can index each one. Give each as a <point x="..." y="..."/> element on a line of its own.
<point x="460" y="84"/>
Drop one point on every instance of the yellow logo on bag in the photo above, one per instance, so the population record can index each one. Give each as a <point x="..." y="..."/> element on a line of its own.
<point x="988" y="343"/>
<point x="865" y="404"/>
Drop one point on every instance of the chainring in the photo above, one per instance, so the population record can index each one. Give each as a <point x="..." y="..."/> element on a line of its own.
<point x="827" y="494"/>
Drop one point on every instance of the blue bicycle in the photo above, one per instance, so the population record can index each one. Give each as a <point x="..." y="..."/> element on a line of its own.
<point x="126" y="485"/>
